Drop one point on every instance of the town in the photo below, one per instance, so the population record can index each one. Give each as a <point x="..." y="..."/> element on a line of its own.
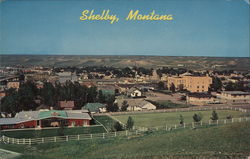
<point x="74" y="94"/>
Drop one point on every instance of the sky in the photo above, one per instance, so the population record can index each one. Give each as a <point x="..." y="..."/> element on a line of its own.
<point x="53" y="27"/>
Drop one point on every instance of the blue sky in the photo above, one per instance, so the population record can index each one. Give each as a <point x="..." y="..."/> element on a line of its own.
<point x="200" y="28"/>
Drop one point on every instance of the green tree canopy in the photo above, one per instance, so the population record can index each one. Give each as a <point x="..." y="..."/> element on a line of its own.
<point x="214" y="116"/>
<point x="130" y="123"/>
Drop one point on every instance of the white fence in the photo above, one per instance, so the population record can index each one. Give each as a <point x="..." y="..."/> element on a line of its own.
<point x="204" y="108"/>
<point x="137" y="131"/>
<point x="30" y="141"/>
<point x="194" y="124"/>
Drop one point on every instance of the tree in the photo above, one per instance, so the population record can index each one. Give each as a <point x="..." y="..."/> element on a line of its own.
<point x="214" y="116"/>
<point x="130" y="123"/>
<point x="229" y="86"/>
<point x="181" y="87"/>
<point x="197" y="117"/>
<point x="101" y="97"/>
<point x="118" y="126"/>
<point x="117" y="91"/>
<point x="172" y="88"/>
<point x="161" y="85"/>
<point x="9" y="103"/>
<point x="216" y="85"/>
<point x="229" y="116"/>
<point x="27" y="94"/>
<point x="124" y="105"/>
<point x="48" y="94"/>
<point x="112" y="108"/>
<point x="181" y="120"/>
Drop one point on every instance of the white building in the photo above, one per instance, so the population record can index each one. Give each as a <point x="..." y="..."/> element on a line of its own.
<point x="136" y="104"/>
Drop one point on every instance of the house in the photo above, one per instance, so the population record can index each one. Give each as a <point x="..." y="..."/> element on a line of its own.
<point x="42" y="119"/>
<point x="95" y="107"/>
<point x="66" y="105"/>
<point x="201" y="99"/>
<point x="134" y="92"/>
<point x="136" y="104"/>
<point x="67" y="76"/>
<point x="234" y="97"/>
<point x="15" y="85"/>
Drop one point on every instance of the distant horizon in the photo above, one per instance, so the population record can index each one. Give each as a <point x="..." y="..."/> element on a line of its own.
<point x="121" y="55"/>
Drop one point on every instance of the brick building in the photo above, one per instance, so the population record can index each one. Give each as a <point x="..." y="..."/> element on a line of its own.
<point x="190" y="83"/>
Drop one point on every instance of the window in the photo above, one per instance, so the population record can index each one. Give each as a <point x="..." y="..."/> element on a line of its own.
<point x="197" y="86"/>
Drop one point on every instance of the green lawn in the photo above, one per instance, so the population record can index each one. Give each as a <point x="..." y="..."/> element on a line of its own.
<point x="230" y="141"/>
<point x="161" y="119"/>
<point x="53" y="132"/>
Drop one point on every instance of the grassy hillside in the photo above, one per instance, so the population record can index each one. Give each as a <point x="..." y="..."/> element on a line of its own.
<point x="228" y="141"/>
<point x="161" y="119"/>
<point x="124" y="61"/>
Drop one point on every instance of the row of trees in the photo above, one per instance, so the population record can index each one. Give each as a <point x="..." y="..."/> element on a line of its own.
<point x="198" y="117"/>
<point x="26" y="97"/>
<point x="118" y="72"/>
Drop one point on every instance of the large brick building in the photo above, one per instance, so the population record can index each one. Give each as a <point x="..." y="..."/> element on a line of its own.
<point x="190" y="83"/>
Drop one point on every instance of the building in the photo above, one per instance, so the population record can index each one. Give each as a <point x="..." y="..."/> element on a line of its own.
<point x="15" y="85"/>
<point x="190" y="83"/>
<point x="95" y="107"/>
<point x="135" y="93"/>
<point x="234" y="97"/>
<point x="67" y="76"/>
<point x="200" y="99"/>
<point x="66" y="105"/>
<point x="136" y="104"/>
<point x="42" y="119"/>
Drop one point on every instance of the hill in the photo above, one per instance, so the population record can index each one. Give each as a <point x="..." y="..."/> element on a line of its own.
<point x="124" y="61"/>
<point x="228" y="141"/>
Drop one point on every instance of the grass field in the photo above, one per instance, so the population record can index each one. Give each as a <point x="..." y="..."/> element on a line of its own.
<point x="161" y="119"/>
<point x="53" y="132"/>
<point x="106" y="121"/>
<point x="230" y="141"/>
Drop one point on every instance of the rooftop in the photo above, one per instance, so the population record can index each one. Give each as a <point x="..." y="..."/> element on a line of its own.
<point x="236" y="92"/>
<point x="93" y="107"/>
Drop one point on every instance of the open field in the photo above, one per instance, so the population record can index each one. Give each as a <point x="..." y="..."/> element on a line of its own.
<point x="235" y="63"/>
<point x="227" y="141"/>
<point x="53" y="132"/>
<point x="161" y="119"/>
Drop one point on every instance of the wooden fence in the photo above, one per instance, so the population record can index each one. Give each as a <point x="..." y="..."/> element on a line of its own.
<point x="136" y="131"/>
